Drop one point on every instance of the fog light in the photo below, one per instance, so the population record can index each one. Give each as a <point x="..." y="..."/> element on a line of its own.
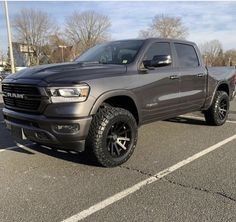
<point x="68" y="128"/>
<point x="41" y="136"/>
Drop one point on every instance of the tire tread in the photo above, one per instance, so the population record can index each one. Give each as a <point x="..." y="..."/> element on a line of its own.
<point x="94" y="139"/>
<point x="211" y="113"/>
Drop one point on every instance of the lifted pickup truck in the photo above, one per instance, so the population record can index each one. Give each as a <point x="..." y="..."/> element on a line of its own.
<point x="97" y="102"/>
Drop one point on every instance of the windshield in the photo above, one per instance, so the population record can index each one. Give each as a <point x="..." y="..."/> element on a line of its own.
<point x="118" y="52"/>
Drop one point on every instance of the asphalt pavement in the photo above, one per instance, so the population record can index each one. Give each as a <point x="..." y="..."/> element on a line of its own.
<point x="182" y="170"/>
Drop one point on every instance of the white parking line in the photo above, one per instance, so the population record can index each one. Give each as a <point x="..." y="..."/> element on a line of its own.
<point x="8" y="148"/>
<point x="230" y="121"/>
<point x="14" y="147"/>
<point x="202" y="118"/>
<point x="192" y="117"/>
<point x="101" y="205"/>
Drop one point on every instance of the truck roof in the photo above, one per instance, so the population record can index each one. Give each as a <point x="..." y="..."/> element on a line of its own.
<point x="169" y="39"/>
<point x="159" y="39"/>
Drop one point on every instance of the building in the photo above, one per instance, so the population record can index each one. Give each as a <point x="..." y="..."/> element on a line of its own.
<point x="22" y="54"/>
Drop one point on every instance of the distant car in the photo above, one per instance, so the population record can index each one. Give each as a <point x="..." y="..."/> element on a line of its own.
<point x="3" y="75"/>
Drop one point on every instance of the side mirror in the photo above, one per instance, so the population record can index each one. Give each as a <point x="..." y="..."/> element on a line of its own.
<point x="158" y="61"/>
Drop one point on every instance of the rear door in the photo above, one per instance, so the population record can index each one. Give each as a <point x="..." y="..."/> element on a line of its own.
<point x="192" y="77"/>
<point x="160" y="90"/>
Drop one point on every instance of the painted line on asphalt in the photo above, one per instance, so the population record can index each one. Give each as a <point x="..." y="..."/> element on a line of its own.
<point x="111" y="200"/>
<point x="202" y="118"/>
<point x="231" y="121"/>
<point x="14" y="147"/>
<point x="192" y="117"/>
<point x="8" y="148"/>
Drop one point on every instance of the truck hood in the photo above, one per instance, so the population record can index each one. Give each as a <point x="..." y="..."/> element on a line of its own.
<point x="68" y="72"/>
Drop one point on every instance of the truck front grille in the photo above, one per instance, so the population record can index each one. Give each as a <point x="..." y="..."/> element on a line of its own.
<point x="28" y="90"/>
<point x="21" y="103"/>
<point x="25" y="98"/>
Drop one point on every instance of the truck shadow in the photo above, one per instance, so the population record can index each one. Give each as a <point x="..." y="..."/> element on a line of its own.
<point x="187" y="120"/>
<point x="71" y="156"/>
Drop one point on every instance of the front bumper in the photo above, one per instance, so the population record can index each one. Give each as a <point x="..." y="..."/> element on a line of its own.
<point x="41" y="129"/>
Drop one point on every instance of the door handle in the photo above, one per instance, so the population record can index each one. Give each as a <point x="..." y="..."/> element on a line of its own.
<point x="174" y="77"/>
<point x="200" y="75"/>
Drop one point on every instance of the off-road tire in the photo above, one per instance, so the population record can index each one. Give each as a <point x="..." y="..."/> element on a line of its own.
<point x="96" y="142"/>
<point x="212" y="114"/>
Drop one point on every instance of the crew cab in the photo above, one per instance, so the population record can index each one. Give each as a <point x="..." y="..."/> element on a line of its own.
<point x="96" y="103"/>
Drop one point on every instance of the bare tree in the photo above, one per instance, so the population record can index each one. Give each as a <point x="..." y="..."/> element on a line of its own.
<point x="58" y="49"/>
<point x="86" y="29"/>
<point x="212" y="52"/>
<point x="147" y="33"/>
<point x="230" y="57"/>
<point x="164" y="26"/>
<point x="33" y="27"/>
<point x="2" y="58"/>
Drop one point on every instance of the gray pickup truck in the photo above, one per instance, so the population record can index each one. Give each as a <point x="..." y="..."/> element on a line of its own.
<point x="97" y="102"/>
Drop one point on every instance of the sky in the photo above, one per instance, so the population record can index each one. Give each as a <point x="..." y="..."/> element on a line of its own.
<point x="205" y="20"/>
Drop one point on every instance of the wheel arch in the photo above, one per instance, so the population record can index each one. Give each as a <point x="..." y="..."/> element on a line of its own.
<point x="221" y="86"/>
<point x="120" y="98"/>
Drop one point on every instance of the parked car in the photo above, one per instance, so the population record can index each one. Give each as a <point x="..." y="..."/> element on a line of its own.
<point x="97" y="103"/>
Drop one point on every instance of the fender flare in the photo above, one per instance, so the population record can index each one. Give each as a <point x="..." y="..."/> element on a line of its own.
<point x="114" y="93"/>
<point x="216" y="88"/>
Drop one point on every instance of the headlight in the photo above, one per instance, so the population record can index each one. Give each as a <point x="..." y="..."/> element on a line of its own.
<point x="68" y="94"/>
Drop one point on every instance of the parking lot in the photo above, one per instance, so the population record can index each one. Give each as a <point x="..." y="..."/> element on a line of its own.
<point x="182" y="170"/>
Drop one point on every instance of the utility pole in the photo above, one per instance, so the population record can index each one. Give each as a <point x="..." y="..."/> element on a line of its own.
<point x="9" y="37"/>
<point x="205" y="60"/>
<point x="62" y="51"/>
<point x="230" y="61"/>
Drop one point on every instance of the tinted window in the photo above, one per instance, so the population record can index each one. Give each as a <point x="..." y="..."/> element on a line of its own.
<point x="118" y="52"/>
<point x="160" y="48"/>
<point x="187" y="55"/>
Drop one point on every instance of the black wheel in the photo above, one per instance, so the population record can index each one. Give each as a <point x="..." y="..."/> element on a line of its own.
<point x="112" y="136"/>
<point x="217" y="114"/>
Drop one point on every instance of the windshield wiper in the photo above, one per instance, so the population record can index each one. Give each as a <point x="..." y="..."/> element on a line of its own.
<point x="88" y="62"/>
<point x="96" y="63"/>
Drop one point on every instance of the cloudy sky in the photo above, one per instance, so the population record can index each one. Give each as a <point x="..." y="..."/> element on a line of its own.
<point x="205" y="20"/>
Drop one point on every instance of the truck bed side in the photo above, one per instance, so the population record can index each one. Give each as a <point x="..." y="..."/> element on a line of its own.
<point x="219" y="77"/>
